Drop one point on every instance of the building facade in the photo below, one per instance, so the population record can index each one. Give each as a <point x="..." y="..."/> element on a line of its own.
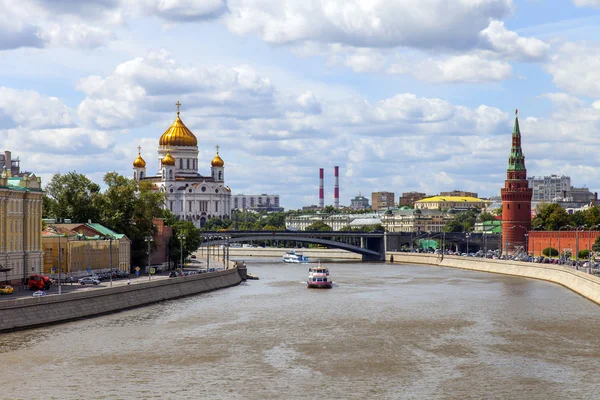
<point x="189" y="195"/>
<point x="259" y="202"/>
<point x="20" y="222"/>
<point x="382" y="200"/>
<point x="337" y="222"/>
<point x="359" y="203"/>
<point x="516" y="198"/>
<point x="81" y="249"/>
<point x="459" y="193"/>
<point x="549" y="188"/>
<point x="415" y="220"/>
<point x="451" y="202"/>
<point x="409" y="198"/>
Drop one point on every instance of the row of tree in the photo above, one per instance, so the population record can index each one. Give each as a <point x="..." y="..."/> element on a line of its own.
<point x="125" y="206"/>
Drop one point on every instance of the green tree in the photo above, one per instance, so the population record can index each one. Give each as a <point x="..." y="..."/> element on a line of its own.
<point x="48" y="207"/>
<point x="191" y="243"/>
<point x="319" y="226"/>
<point x="592" y="216"/>
<point x="462" y="222"/>
<point x="577" y="218"/>
<point x="550" y="252"/>
<point x="551" y="216"/>
<point x="584" y="253"/>
<point x="73" y="196"/>
<point x="486" y="216"/>
<point x="596" y="245"/>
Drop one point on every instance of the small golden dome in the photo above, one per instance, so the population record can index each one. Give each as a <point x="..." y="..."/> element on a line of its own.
<point x="217" y="161"/>
<point x="139" y="161"/>
<point x="178" y="134"/>
<point x="168" y="160"/>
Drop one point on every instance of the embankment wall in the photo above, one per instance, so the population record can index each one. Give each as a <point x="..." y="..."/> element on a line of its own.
<point x="580" y="282"/>
<point x="30" y="312"/>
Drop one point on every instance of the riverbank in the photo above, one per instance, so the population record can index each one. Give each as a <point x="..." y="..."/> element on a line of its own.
<point x="579" y="282"/>
<point x="30" y="312"/>
<point x="278" y="252"/>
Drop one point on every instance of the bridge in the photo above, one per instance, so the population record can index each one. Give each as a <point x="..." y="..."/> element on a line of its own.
<point x="370" y="245"/>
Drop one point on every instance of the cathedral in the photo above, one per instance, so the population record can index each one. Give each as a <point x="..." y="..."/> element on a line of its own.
<point x="189" y="195"/>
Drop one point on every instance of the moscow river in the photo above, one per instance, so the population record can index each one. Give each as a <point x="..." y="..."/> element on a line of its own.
<point x="383" y="332"/>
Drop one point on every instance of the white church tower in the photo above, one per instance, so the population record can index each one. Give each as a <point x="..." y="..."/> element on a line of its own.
<point x="139" y="166"/>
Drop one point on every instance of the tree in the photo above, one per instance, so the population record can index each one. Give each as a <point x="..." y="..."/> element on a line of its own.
<point x="73" y="196"/>
<point x="129" y="207"/>
<point x="577" y="218"/>
<point x="596" y="245"/>
<point x="486" y="216"/>
<point x="584" y="253"/>
<point x="319" y="226"/>
<point x="462" y="222"/>
<point x="191" y="243"/>
<point x="550" y="252"/>
<point x="592" y="216"/>
<point x="551" y="216"/>
<point x="48" y="207"/>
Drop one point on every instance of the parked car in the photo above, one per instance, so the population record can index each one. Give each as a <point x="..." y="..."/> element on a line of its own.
<point x="88" y="281"/>
<point x="39" y="293"/>
<point x="6" y="289"/>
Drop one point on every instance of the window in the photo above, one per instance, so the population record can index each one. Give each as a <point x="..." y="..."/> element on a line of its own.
<point x="220" y="175"/>
<point x="519" y="207"/>
<point x="188" y="163"/>
<point x="171" y="204"/>
<point x="181" y="163"/>
<point x="189" y="205"/>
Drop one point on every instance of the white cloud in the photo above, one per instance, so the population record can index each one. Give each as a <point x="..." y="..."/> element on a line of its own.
<point x="30" y="109"/>
<point x="511" y="45"/>
<point x="377" y="23"/>
<point x="469" y="68"/>
<point x="576" y="69"/>
<point x="587" y="3"/>
<point x="180" y="10"/>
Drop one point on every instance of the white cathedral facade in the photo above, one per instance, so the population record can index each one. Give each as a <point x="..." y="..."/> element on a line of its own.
<point x="189" y="195"/>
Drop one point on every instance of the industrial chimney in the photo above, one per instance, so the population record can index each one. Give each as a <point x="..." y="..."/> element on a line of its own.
<point x="321" y="189"/>
<point x="336" y="187"/>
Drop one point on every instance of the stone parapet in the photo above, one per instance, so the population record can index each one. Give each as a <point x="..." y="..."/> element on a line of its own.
<point x="581" y="283"/>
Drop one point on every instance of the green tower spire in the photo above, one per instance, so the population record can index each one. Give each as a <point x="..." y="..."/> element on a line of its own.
<point x="516" y="161"/>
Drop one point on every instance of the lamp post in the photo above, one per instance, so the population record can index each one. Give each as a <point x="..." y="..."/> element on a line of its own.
<point x="577" y="244"/>
<point x="526" y="243"/>
<point x="590" y="246"/>
<point x="208" y="253"/>
<point x="110" y="239"/>
<point x="559" y="250"/>
<point x="148" y="239"/>
<point x="181" y="239"/>
<point x="468" y="236"/>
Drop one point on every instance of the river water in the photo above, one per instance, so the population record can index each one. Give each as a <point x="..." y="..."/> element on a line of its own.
<point x="383" y="332"/>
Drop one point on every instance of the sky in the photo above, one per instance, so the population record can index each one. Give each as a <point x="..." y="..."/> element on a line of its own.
<point x="403" y="95"/>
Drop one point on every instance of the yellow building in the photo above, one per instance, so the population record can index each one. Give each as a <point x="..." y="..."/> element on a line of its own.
<point x="20" y="221"/>
<point x="81" y="255"/>
<point x="448" y="202"/>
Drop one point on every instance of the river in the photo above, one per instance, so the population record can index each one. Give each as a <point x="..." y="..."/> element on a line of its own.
<point x="383" y="332"/>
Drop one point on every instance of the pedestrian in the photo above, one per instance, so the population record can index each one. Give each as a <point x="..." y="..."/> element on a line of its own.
<point x="129" y="281"/>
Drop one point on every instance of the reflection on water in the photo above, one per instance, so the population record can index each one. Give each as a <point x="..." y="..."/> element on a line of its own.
<point x="385" y="331"/>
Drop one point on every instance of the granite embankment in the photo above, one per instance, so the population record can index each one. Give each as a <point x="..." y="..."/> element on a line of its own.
<point x="580" y="282"/>
<point x="278" y="252"/>
<point x="31" y="312"/>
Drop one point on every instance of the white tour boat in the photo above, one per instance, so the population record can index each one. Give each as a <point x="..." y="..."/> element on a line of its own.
<point x="293" y="257"/>
<point x="318" y="278"/>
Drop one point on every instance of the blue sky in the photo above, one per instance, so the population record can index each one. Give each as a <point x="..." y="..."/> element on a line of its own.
<point x="402" y="95"/>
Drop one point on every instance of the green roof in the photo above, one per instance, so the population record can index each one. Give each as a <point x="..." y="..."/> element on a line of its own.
<point x="104" y="230"/>
<point x="516" y="161"/>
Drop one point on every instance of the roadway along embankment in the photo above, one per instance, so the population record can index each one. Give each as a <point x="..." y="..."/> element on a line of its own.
<point x="31" y="312"/>
<point x="277" y="252"/>
<point x="580" y="282"/>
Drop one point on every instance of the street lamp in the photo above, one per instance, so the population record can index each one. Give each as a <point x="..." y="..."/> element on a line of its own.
<point x="181" y="239"/>
<point x="468" y="236"/>
<point x="590" y="246"/>
<point x="559" y="250"/>
<point x="110" y="239"/>
<point x="526" y="243"/>
<point x="149" y="239"/>
<point x="577" y="244"/>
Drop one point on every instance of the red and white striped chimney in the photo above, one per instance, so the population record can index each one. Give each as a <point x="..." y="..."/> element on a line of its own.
<point x="321" y="189"/>
<point x="336" y="187"/>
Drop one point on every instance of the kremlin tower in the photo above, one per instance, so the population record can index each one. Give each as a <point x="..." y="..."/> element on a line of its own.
<point x="516" y="197"/>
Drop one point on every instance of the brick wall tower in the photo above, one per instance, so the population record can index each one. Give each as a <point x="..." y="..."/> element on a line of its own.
<point x="516" y="197"/>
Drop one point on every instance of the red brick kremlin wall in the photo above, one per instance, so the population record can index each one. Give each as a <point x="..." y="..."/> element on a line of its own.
<point x="539" y="240"/>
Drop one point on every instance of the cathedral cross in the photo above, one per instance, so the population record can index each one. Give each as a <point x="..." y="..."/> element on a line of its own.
<point x="178" y="104"/>
<point x="217" y="149"/>
<point x="139" y="149"/>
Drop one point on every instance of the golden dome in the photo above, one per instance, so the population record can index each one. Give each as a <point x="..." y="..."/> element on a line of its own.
<point x="168" y="160"/>
<point x="178" y="134"/>
<point x="139" y="161"/>
<point x="217" y="161"/>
